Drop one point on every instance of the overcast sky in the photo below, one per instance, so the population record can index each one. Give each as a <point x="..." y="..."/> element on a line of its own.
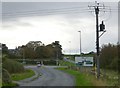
<point x="57" y="21"/>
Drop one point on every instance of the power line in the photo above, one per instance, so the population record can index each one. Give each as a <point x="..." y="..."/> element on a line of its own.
<point x="48" y="12"/>
<point x="72" y="8"/>
<point x="42" y="12"/>
<point x="51" y="11"/>
<point x="69" y="10"/>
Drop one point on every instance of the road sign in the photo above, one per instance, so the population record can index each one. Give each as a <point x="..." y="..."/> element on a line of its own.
<point x="84" y="61"/>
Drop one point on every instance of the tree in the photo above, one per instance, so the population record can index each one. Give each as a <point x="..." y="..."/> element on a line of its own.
<point x="36" y="49"/>
<point x="34" y="44"/>
<point x="57" y="49"/>
<point x="4" y="49"/>
<point x="27" y="52"/>
<point x="40" y="52"/>
<point x="50" y="50"/>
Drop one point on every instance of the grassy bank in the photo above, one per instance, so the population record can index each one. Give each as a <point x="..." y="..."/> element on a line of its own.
<point x="20" y="76"/>
<point x="83" y="79"/>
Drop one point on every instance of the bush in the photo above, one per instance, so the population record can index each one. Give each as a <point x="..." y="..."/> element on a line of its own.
<point x="6" y="77"/>
<point x="12" y="66"/>
<point x="51" y="62"/>
<point x="109" y="57"/>
<point x="32" y="62"/>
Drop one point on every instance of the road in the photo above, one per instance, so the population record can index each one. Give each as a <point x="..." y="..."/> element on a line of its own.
<point x="50" y="77"/>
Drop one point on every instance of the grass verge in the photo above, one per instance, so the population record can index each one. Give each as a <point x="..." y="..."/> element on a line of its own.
<point x="83" y="79"/>
<point x="80" y="79"/>
<point x="9" y="85"/>
<point x="20" y="76"/>
<point x="110" y="76"/>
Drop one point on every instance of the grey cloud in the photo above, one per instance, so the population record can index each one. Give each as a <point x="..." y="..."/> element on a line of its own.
<point x="14" y="24"/>
<point x="71" y="18"/>
<point x="25" y="24"/>
<point x="14" y="9"/>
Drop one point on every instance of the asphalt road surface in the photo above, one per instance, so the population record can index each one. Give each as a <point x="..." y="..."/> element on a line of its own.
<point x="49" y="77"/>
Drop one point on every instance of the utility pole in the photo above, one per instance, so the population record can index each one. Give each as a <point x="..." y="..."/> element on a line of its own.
<point x="102" y="27"/>
<point x="97" y="41"/>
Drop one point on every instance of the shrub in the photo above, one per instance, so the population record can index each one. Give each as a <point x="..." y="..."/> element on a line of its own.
<point x="51" y="62"/>
<point x="6" y="77"/>
<point x="12" y="66"/>
<point x="109" y="57"/>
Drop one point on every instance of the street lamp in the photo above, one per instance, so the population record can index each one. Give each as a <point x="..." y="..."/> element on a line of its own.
<point x="70" y="47"/>
<point x="80" y="41"/>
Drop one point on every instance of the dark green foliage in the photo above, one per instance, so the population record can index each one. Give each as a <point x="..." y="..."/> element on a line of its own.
<point x="13" y="56"/>
<point x="12" y="66"/>
<point x="43" y="52"/>
<point x="109" y="57"/>
<point x="51" y="62"/>
<point x="29" y="52"/>
<point x="34" y="62"/>
<point x="37" y="50"/>
<point x="6" y="77"/>
<point x="31" y="62"/>
<point x="4" y="49"/>
<point x="119" y="60"/>
<point x="57" y="49"/>
<point x="9" y="85"/>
